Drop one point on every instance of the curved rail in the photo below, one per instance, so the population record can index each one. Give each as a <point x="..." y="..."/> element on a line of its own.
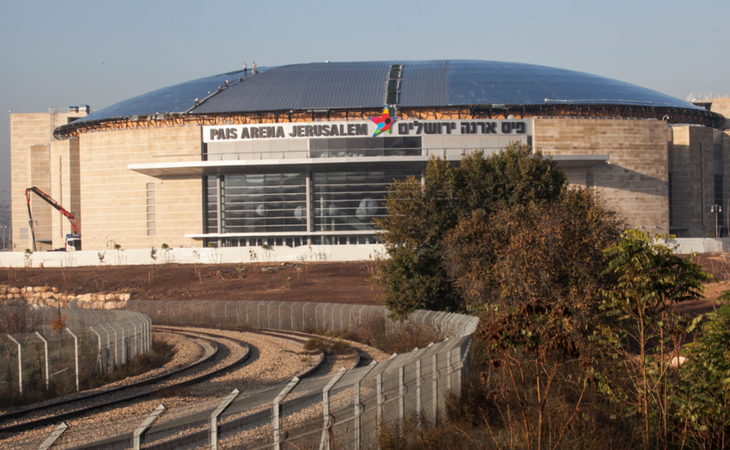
<point x="78" y="412"/>
<point x="286" y="335"/>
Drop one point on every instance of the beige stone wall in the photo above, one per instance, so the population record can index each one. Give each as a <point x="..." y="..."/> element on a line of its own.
<point x="31" y="139"/>
<point x="692" y="181"/>
<point x="65" y="184"/>
<point x="636" y="181"/>
<point x="722" y="106"/>
<point x="114" y="199"/>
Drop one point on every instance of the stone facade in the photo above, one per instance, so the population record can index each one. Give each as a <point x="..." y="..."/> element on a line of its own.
<point x="37" y="159"/>
<point x="634" y="181"/>
<point x="662" y="178"/>
<point x="123" y="207"/>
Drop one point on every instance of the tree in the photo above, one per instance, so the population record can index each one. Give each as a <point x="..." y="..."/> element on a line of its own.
<point x="645" y="281"/>
<point x="702" y="399"/>
<point x="533" y="272"/>
<point x="421" y="213"/>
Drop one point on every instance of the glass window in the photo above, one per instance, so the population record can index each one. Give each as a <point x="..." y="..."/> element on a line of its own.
<point x="345" y="201"/>
<point x="371" y="146"/>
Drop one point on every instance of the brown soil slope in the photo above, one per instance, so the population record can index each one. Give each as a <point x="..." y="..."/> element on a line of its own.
<point x="343" y="282"/>
<point x="316" y="282"/>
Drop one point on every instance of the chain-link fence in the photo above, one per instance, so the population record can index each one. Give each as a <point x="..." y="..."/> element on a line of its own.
<point x="291" y="316"/>
<point x="334" y="411"/>
<point x="68" y="349"/>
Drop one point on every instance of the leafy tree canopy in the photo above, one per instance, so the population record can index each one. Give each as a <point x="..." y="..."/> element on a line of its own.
<point x="420" y="213"/>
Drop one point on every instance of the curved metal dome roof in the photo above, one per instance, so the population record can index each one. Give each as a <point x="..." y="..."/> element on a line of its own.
<point x="364" y="85"/>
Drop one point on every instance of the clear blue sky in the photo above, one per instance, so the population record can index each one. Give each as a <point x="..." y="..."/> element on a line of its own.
<point x="100" y="52"/>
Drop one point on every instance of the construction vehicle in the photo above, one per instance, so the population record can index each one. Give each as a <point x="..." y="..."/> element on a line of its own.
<point x="73" y="240"/>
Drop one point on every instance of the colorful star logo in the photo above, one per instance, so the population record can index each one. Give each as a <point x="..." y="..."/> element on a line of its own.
<point x="383" y="122"/>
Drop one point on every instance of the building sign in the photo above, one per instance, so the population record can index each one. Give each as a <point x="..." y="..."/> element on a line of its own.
<point x="232" y="133"/>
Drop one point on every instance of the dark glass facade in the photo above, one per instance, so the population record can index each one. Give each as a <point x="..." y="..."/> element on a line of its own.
<point x="359" y="147"/>
<point x="261" y="204"/>
<point x="344" y="201"/>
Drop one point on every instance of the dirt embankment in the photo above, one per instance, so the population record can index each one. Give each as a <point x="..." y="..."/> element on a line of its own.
<point x="344" y="282"/>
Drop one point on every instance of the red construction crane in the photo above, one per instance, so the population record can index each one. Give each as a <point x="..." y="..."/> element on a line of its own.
<point x="73" y="241"/>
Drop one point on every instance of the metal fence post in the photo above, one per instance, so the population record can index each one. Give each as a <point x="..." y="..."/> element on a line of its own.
<point x="379" y="389"/>
<point x="98" y="354"/>
<point x="435" y="385"/>
<point x="108" y="349"/>
<point x="324" y="442"/>
<point x="137" y="437"/>
<point x="359" y="408"/>
<point x="134" y="348"/>
<point x="225" y="313"/>
<point x="116" y="345"/>
<point x="268" y="314"/>
<point x="275" y="422"/>
<point x="212" y="314"/>
<point x="201" y="311"/>
<point x="76" y="356"/>
<point x="304" y="316"/>
<point x="258" y="315"/>
<point x="20" y="365"/>
<point x="214" y="418"/>
<point x="124" y="344"/>
<point x="180" y="320"/>
<point x="45" y="344"/>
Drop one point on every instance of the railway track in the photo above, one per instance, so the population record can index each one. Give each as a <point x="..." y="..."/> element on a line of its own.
<point x="36" y="418"/>
<point x="67" y="409"/>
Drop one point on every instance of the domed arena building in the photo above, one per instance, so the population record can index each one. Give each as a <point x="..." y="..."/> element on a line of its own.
<point x="302" y="154"/>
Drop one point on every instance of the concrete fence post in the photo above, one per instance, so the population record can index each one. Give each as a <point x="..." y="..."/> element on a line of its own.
<point x="45" y="344"/>
<point x="99" y="365"/>
<point x="275" y="422"/>
<point x="137" y="436"/>
<point x="20" y="365"/>
<point x="76" y="357"/>
<point x="325" y="440"/>
<point x="53" y="437"/>
<point x="214" y="418"/>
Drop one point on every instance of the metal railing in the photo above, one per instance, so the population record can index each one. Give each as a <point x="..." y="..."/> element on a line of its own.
<point x="343" y="410"/>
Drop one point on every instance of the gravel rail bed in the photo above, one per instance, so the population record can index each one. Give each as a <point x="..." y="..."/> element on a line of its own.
<point x="64" y="410"/>
<point x="272" y="361"/>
